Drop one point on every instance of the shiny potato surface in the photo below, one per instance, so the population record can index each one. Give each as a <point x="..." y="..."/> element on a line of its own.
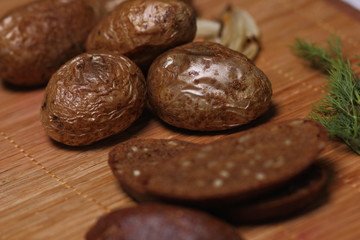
<point x="106" y="6"/>
<point x="38" y="38"/>
<point x="103" y="7"/>
<point x="205" y="86"/>
<point x="91" y="97"/>
<point x="143" y="29"/>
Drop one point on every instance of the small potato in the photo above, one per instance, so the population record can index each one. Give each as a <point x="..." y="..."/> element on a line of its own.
<point x="206" y="86"/>
<point x="91" y="97"/>
<point x="38" y="38"/>
<point x="143" y="29"/>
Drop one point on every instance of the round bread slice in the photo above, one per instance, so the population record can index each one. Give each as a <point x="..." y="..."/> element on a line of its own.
<point x="297" y="195"/>
<point x="133" y="162"/>
<point x="160" y="222"/>
<point x="239" y="168"/>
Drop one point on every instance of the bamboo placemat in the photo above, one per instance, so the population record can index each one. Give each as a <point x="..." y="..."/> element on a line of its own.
<point x="48" y="191"/>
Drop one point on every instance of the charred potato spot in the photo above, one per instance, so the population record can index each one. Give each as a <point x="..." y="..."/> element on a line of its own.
<point x="79" y="66"/>
<point x="57" y="122"/>
<point x="39" y="37"/>
<point x="143" y="29"/>
<point x="205" y="86"/>
<point x="91" y="97"/>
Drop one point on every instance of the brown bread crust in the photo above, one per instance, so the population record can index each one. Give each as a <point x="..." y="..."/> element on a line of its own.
<point x="160" y="222"/>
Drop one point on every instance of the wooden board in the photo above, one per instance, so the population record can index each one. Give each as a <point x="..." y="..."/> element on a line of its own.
<point x="48" y="191"/>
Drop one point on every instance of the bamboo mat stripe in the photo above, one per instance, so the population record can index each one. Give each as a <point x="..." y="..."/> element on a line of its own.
<point x="52" y="175"/>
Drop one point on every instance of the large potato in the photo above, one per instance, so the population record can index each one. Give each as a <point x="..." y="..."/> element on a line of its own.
<point x="38" y="38"/>
<point x="91" y="97"/>
<point x="206" y="86"/>
<point x="143" y="29"/>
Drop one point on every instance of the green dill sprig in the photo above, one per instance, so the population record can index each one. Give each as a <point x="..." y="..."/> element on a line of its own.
<point x="339" y="110"/>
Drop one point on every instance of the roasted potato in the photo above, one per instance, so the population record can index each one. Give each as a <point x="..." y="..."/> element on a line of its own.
<point x="38" y="38"/>
<point x="91" y="97"/>
<point x="143" y="29"/>
<point x="206" y="86"/>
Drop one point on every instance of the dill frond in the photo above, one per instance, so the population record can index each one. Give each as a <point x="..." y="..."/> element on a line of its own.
<point x="339" y="110"/>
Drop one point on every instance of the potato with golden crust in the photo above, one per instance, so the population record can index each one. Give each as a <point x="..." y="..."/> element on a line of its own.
<point x="39" y="37"/>
<point x="143" y="29"/>
<point x="91" y="97"/>
<point x="206" y="86"/>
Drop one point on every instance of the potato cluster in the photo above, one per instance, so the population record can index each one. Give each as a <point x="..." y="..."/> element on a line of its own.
<point x="141" y="51"/>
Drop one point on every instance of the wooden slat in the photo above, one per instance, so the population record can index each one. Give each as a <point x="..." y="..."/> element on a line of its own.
<point x="48" y="191"/>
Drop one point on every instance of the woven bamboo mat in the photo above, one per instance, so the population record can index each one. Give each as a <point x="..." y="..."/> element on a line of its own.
<point x="48" y="191"/>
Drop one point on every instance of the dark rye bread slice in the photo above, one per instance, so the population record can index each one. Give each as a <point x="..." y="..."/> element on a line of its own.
<point x="238" y="168"/>
<point x="160" y="222"/>
<point x="297" y="195"/>
<point x="133" y="162"/>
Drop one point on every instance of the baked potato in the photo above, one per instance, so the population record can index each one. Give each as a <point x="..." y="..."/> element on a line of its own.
<point x="205" y="86"/>
<point x="143" y="29"/>
<point x="36" y="39"/>
<point x="91" y="97"/>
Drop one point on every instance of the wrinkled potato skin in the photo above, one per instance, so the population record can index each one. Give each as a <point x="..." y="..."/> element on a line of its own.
<point x="39" y="37"/>
<point x="143" y="29"/>
<point x="205" y="86"/>
<point x="91" y="97"/>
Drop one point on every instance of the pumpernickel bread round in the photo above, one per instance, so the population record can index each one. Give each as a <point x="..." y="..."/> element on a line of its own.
<point x="238" y="168"/>
<point x="297" y="195"/>
<point x="160" y="222"/>
<point x="133" y="162"/>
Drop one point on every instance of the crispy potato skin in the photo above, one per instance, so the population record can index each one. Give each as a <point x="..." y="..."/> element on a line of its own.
<point x="39" y="37"/>
<point x="143" y="29"/>
<point x="206" y="86"/>
<point x="91" y="97"/>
